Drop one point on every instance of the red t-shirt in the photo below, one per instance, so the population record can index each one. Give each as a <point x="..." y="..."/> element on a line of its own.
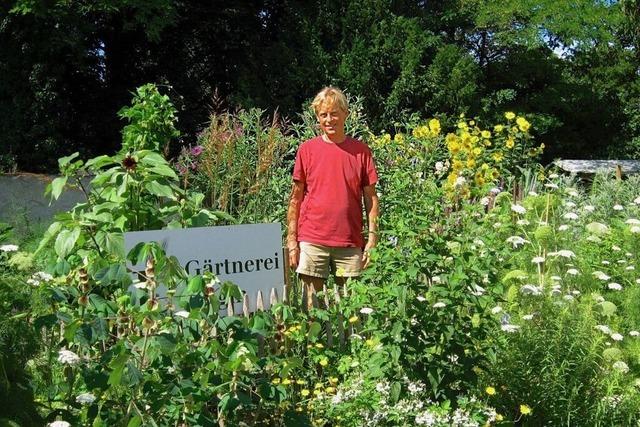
<point x="334" y="176"/>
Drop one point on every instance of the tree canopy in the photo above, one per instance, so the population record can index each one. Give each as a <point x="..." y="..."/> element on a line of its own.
<point x="67" y="66"/>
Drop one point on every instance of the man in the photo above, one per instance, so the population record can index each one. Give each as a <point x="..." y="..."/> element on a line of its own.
<point x="333" y="174"/>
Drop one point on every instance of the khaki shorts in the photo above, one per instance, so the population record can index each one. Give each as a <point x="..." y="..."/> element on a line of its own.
<point x="319" y="261"/>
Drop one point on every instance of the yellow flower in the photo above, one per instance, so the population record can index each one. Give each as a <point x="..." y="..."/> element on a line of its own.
<point x="305" y="392"/>
<point x="509" y="115"/>
<point x="499" y="417"/>
<point x="370" y="342"/>
<point x="421" y="132"/>
<point x="495" y="174"/>
<point x="333" y="380"/>
<point x="487" y="143"/>
<point x="523" y="124"/>
<point x="316" y="392"/>
<point x="319" y="345"/>
<point x="484" y="166"/>
<point x="510" y="143"/>
<point x="498" y="128"/>
<point x="461" y="115"/>
<point x="275" y="381"/>
<point x="317" y="386"/>
<point x="286" y="381"/>
<point x="471" y="163"/>
<point x="479" y="180"/>
<point x="525" y="410"/>
<point x="462" y="125"/>
<point x="299" y="382"/>
<point x="330" y="390"/>
<point x="486" y="134"/>
<point x="490" y="391"/>
<point x="353" y="319"/>
<point x="498" y="156"/>
<point x="434" y="126"/>
<point x="472" y="122"/>
<point x="324" y="362"/>
<point x="399" y="138"/>
<point x="477" y="151"/>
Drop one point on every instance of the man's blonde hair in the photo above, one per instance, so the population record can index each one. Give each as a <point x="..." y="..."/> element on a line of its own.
<point x="332" y="96"/>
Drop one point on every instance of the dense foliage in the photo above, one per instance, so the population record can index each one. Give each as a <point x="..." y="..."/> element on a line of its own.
<point x="67" y="67"/>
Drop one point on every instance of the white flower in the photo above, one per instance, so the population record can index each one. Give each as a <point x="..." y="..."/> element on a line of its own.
<point x="530" y="290"/>
<point x="439" y="305"/>
<point x="614" y="286"/>
<point x="600" y="275"/>
<point x="573" y="272"/>
<point x="605" y="262"/>
<point x="519" y="209"/>
<point x="484" y="201"/>
<point x="629" y="255"/>
<point x="565" y="253"/>
<point x="634" y="333"/>
<point x="527" y="317"/>
<point x="182" y="313"/>
<point x="635" y="229"/>
<point x="85" y="398"/>
<point x="618" y="207"/>
<point x="33" y="282"/>
<point x="68" y="357"/>
<point x="140" y="285"/>
<point x="556" y="278"/>
<point x="576" y="293"/>
<point x="436" y="279"/>
<point x="570" y="215"/>
<point x="572" y="192"/>
<point x="632" y="221"/>
<point x="589" y="208"/>
<point x="421" y="298"/>
<point x="616" y="248"/>
<point x="599" y="298"/>
<point x="439" y="166"/>
<point x="551" y="185"/>
<point x="563" y="227"/>
<point x="460" y="181"/>
<point x="638" y="281"/>
<point x="509" y="328"/>
<point x="517" y="241"/>
<point x="497" y="225"/>
<point x="630" y="267"/>
<point x="477" y="290"/>
<point x="621" y="366"/>
<point x="366" y="310"/>
<point x="617" y="337"/>
<point x="8" y="248"/>
<point x="495" y="191"/>
<point x="621" y="261"/>
<point x="59" y="424"/>
<point x="636" y="200"/>
<point x="497" y="309"/>
<point x="603" y="328"/>
<point x="522" y="222"/>
<point x="594" y="239"/>
<point x="41" y="275"/>
<point x="537" y="260"/>
<point x="570" y="204"/>
<point x="532" y="193"/>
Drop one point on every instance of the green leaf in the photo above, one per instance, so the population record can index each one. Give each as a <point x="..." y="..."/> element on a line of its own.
<point x="112" y="242"/>
<point x="196" y="284"/>
<point x="612" y="354"/>
<point x="314" y="330"/>
<point x="51" y="232"/>
<point x="607" y="308"/>
<point x="56" y="187"/>
<point x="64" y="161"/>
<point x="160" y="190"/>
<point x="65" y="241"/>
<point x="117" y="366"/>
<point x="166" y="343"/>
<point x="515" y="275"/>
<point x="99" y="162"/>
<point x="135" y="421"/>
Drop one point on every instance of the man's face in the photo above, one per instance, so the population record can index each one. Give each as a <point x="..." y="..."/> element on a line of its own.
<point x="331" y="118"/>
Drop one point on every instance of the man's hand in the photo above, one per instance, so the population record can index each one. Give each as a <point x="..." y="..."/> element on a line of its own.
<point x="366" y="255"/>
<point x="294" y="257"/>
<point x="371" y="205"/>
<point x="293" y="212"/>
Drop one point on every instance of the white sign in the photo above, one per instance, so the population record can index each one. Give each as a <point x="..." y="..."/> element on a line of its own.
<point x="248" y="255"/>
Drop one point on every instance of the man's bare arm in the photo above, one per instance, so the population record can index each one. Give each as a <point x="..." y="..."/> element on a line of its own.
<point x="293" y="213"/>
<point x="372" y="207"/>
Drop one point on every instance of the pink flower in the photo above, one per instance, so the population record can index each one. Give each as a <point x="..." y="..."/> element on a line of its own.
<point x="197" y="150"/>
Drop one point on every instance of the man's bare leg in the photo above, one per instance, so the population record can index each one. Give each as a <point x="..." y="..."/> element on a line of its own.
<point x="311" y="285"/>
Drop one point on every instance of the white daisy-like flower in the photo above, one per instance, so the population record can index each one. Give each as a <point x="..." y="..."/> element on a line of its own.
<point x="517" y="241"/>
<point x="570" y="204"/>
<point x="618" y="207"/>
<point x="59" y="424"/>
<point x="530" y="290"/>
<point x="621" y="366"/>
<point x="439" y="166"/>
<point x="616" y="248"/>
<point x="421" y="298"/>
<point x="519" y="209"/>
<point x="573" y="272"/>
<point x="635" y="229"/>
<point x="600" y="275"/>
<point x="366" y="310"/>
<point x="570" y="216"/>
<point x="551" y="185"/>
<point x="439" y="305"/>
<point x="182" y="313"/>
<point x="614" y="286"/>
<point x="509" y="328"/>
<point x="68" y="357"/>
<point x="85" y="398"/>
<point x="617" y="337"/>
<point x="484" y="201"/>
<point x="522" y="222"/>
<point x="495" y="310"/>
<point x="8" y="248"/>
<point x="634" y="333"/>
<point x="527" y="317"/>
<point x="537" y="260"/>
<point x="564" y="253"/>
<point x="604" y="329"/>
<point x="589" y="208"/>
<point x="563" y="227"/>
<point x="460" y="181"/>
